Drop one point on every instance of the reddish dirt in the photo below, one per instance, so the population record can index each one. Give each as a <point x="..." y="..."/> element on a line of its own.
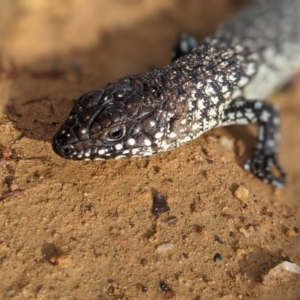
<point x="86" y="230"/>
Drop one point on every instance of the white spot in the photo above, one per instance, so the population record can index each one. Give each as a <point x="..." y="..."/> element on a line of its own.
<point x="184" y="47"/>
<point x="147" y="142"/>
<point x="242" y="121"/>
<point x="243" y="81"/>
<point x="236" y="94"/>
<point x="239" y="103"/>
<point x="135" y="151"/>
<point x="131" y="142"/>
<point x="87" y="154"/>
<point x="101" y="151"/>
<point x="214" y="100"/>
<point x="98" y="158"/>
<point x="173" y="135"/>
<point x="195" y="127"/>
<point x="220" y="79"/>
<point x="212" y="123"/>
<point x="201" y="104"/>
<point x="227" y="94"/>
<point x="239" y="115"/>
<point x="232" y="77"/>
<point x="265" y="116"/>
<point x="238" y="48"/>
<point x="79" y="154"/>
<point x="276" y="121"/>
<point x="250" y="69"/>
<point x="119" y="157"/>
<point x="126" y="151"/>
<point x="200" y="84"/>
<point x="231" y="116"/>
<point x="183" y="122"/>
<point x="68" y="134"/>
<point x="63" y="132"/>
<point x="247" y="166"/>
<point x="258" y="105"/>
<point x="224" y="88"/>
<point x="152" y="123"/>
<point x="185" y="139"/>
<point x="209" y="90"/>
<point x="87" y="159"/>
<point x="261" y="133"/>
<point x="271" y="143"/>
<point x="212" y="112"/>
<point x="158" y="135"/>
<point x="224" y="64"/>
<point x="118" y="146"/>
<point x="147" y="153"/>
<point x="269" y="53"/>
<point x="83" y="131"/>
<point x="165" y="146"/>
<point x="249" y="114"/>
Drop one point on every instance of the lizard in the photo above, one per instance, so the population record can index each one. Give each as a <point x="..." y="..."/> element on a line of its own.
<point x="220" y="81"/>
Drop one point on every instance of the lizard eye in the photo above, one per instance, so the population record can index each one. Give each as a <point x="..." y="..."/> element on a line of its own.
<point x="116" y="133"/>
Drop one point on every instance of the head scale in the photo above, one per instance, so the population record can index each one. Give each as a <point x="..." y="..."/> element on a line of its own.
<point x="113" y="122"/>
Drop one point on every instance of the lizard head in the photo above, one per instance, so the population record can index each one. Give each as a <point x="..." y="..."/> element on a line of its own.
<point x="117" y="121"/>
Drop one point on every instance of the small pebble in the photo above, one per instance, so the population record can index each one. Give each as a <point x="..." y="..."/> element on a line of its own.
<point x="6" y="153"/>
<point x="291" y="232"/>
<point x="144" y="289"/>
<point x="59" y="259"/>
<point x="232" y="234"/>
<point x="245" y="232"/>
<point x="283" y="272"/>
<point x="218" y="239"/>
<point x="160" y="205"/>
<point x="246" y="221"/>
<point x="42" y="291"/>
<point x="10" y="292"/>
<point x="144" y="262"/>
<point x="164" y="247"/>
<point x="164" y="286"/>
<point x="226" y="143"/>
<point x="228" y="216"/>
<point x="242" y="194"/>
<point x="217" y="257"/>
<point x="172" y="221"/>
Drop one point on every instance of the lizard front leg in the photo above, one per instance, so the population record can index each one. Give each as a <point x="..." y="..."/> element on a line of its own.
<point x="267" y="117"/>
<point x="184" y="45"/>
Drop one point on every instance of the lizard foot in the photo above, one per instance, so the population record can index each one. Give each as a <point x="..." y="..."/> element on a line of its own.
<point x="184" y="45"/>
<point x="261" y="165"/>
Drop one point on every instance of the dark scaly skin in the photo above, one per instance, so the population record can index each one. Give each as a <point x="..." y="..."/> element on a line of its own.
<point x="220" y="82"/>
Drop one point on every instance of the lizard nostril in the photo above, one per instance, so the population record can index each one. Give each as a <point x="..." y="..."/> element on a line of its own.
<point x="61" y="149"/>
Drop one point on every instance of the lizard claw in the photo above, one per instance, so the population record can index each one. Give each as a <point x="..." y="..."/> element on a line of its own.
<point x="260" y="165"/>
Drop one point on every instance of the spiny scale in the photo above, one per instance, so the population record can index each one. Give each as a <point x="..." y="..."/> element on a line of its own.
<point x="221" y="81"/>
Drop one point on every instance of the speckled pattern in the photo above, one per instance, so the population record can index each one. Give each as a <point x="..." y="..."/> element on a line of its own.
<point x="222" y="81"/>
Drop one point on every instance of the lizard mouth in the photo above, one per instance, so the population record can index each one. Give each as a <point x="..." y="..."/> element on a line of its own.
<point x="65" y="149"/>
<point x="68" y="146"/>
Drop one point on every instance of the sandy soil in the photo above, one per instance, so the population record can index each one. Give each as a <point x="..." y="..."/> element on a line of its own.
<point x="86" y="230"/>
